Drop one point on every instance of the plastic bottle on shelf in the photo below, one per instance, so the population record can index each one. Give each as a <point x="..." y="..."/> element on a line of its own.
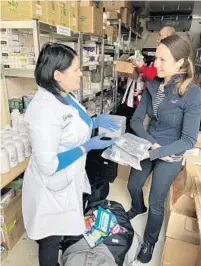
<point x="6" y="135"/>
<point x="21" y="125"/>
<point x="15" y="118"/>
<point x="7" y="141"/>
<point x="6" y="128"/>
<point x="27" y="145"/>
<point x="20" y="150"/>
<point x="5" y="164"/>
<point x="12" y="153"/>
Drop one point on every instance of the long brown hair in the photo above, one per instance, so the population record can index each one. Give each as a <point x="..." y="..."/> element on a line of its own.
<point x="181" y="49"/>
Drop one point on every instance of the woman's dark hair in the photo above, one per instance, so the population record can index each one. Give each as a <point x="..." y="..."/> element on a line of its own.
<point x="181" y="49"/>
<point x="53" y="56"/>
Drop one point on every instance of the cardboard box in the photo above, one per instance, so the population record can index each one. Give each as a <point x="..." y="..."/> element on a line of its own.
<point x="73" y="11"/>
<point x="62" y="14"/>
<point x="179" y="253"/>
<point x="113" y="15"/>
<point x="198" y="144"/>
<point x="130" y="18"/>
<point x="124" y="66"/>
<point x="116" y="5"/>
<point x="112" y="32"/>
<point x="53" y="14"/>
<point x="13" y="227"/>
<point x="184" y="228"/>
<point x="198" y="262"/>
<point x="21" y="10"/>
<point x="95" y="3"/>
<point x="91" y="20"/>
<point x="185" y="205"/>
<point x="125" y="15"/>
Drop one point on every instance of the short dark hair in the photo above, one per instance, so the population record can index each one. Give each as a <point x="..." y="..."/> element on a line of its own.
<point x="53" y="56"/>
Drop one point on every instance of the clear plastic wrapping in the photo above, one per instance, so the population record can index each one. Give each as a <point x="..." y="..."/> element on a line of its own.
<point x="119" y="156"/>
<point x="128" y="150"/>
<point x="133" y="145"/>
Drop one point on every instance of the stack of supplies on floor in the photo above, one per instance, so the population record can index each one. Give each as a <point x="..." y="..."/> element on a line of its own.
<point x="100" y="225"/>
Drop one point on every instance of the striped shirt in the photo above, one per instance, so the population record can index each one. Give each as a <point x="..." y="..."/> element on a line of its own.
<point x="160" y="95"/>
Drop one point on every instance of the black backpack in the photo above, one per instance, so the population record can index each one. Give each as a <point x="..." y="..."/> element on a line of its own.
<point x="118" y="244"/>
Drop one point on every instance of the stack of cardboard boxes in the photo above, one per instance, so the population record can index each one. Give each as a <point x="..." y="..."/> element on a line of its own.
<point x="61" y="12"/>
<point x="183" y="236"/>
<point x="12" y="222"/>
<point x="117" y="10"/>
<point x="91" y="17"/>
<point x="84" y="16"/>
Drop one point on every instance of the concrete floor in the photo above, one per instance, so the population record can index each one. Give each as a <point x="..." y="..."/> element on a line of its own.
<point x="25" y="251"/>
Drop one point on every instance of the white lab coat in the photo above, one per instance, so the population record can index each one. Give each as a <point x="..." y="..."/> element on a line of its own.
<point x="52" y="201"/>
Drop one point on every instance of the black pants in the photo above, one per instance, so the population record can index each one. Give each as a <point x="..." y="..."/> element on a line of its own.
<point x="126" y="111"/>
<point x="49" y="250"/>
<point x="163" y="175"/>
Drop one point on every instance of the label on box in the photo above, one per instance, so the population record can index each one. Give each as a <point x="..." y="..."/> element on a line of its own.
<point x="39" y="10"/>
<point x="63" y="30"/>
<point x="93" y="38"/>
<point x="92" y="67"/>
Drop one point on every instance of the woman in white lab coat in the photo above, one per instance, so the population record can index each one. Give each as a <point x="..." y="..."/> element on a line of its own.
<point x="60" y="135"/>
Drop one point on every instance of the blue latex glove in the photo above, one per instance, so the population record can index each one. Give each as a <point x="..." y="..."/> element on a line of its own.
<point x="105" y="121"/>
<point x="96" y="143"/>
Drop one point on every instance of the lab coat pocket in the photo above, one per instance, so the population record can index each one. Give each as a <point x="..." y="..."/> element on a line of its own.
<point x="59" y="181"/>
<point x="58" y="195"/>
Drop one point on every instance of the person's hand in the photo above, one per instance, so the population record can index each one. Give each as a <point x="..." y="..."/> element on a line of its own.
<point x="107" y="122"/>
<point x="155" y="146"/>
<point x="138" y="63"/>
<point x="96" y="143"/>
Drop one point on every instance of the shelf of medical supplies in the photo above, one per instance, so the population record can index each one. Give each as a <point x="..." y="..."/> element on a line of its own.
<point x="87" y="98"/>
<point x="107" y="42"/>
<point x="196" y="64"/>
<point x="14" y="173"/>
<point x="91" y="37"/>
<point x="93" y="66"/>
<point x="20" y="73"/>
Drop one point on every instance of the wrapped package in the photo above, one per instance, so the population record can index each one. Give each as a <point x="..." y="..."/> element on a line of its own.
<point x="133" y="145"/>
<point x="119" y="156"/>
<point x="128" y="150"/>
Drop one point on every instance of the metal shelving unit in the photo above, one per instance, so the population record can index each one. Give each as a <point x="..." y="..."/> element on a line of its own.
<point x="64" y="34"/>
<point x="59" y="33"/>
<point x="123" y="29"/>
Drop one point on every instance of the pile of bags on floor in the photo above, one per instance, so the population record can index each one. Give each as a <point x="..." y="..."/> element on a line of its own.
<point x="128" y="150"/>
<point x="107" y="239"/>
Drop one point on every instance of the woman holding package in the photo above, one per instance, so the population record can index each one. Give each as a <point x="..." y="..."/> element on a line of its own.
<point x="174" y="107"/>
<point x="60" y="135"/>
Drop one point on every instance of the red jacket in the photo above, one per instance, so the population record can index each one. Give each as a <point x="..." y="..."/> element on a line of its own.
<point x="149" y="72"/>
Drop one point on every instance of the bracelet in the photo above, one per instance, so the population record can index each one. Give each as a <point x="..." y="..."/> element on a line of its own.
<point x="83" y="149"/>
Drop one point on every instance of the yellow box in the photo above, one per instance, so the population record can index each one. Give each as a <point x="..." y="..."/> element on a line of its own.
<point x="73" y="9"/>
<point x="62" y="13"/>
<point x="91" y="20"/>
<point x="21" y="10"/>
<point x="116" y="5"/>
<point x="52" y="13"/>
